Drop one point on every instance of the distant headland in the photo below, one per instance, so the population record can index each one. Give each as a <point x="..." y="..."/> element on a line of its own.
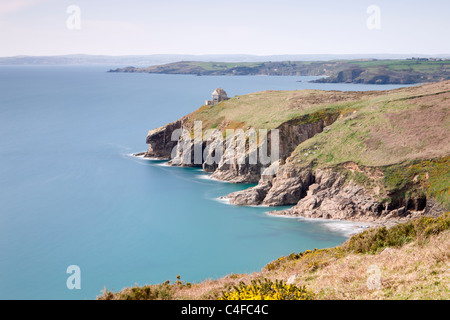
<point x="365" y="71"/>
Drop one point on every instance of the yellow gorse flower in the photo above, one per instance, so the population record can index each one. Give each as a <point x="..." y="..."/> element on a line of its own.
<point x="267" y="290"/>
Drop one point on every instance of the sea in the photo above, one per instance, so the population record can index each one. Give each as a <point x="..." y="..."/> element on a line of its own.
<point x="72" y="194"/>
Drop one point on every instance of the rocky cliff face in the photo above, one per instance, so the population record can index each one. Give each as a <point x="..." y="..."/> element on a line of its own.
<point x="331" y="196"/>
<point x="287" y="187"/>
<point x="231" y="166"/>
<point x="328" y="194"/>
<point x="160" y="144"/>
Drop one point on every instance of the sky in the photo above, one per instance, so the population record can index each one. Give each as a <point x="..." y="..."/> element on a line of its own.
<point x="143" y="27"/>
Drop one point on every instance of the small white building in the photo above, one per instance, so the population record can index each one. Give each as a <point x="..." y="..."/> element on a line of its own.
<point x="217" y="96"/>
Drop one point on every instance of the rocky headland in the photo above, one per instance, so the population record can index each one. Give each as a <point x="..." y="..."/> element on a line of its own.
<point x="361" y="156"/>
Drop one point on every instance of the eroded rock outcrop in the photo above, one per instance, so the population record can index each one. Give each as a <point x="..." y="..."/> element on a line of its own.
<point x="287" y="187"/>
<point x="159" y="140"/>
<point x="333" y="196"/>
<point x="168" y="143"/>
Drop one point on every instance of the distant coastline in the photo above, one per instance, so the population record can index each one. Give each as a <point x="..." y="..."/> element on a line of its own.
<point x="361" y="71"/>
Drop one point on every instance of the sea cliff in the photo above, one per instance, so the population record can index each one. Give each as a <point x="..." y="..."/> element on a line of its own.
<point x="364" y="156"/>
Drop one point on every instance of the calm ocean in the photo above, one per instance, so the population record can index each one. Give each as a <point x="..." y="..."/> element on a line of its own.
<point x="72" y="195"/>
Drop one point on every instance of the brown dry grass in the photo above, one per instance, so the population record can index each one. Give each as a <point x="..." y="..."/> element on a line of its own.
<point x="415" y="271"/>
<point x="268" y="109"/>
<point x="391" y="127"/>
<point x="424" y="129"/>
<point x="412" y="272"/>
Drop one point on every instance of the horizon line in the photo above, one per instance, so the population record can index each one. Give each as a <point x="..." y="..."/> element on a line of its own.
<point x="220" y="54"/>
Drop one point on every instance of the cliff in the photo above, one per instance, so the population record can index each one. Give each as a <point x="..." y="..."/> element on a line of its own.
<point x="366" y="156"/>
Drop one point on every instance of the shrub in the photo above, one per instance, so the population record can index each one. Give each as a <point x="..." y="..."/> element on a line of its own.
<point x="374" y="240"/>
<point x="276" y="263"/>
<point x="267" y="290"/>
<point x="163" y="291"/>
<point x="157" y="292"/>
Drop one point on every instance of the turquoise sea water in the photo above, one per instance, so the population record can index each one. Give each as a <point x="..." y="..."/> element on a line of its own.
<point x="70" y="194"/>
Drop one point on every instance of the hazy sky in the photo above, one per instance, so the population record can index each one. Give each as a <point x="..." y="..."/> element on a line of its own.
<point x="122" y="27"/>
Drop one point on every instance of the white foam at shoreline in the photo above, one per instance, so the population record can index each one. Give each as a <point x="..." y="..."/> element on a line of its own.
<point x="223" y="200"/>
<point x="143" y="157"/>
<point x="215" y="179"/>
<point x="134" y="155"/>
<point x="348" y="228"/>
<point x="208" y="176"/>
<point x="150" y="158"/>
<point x="203" y="177"/>
<point x="163" y="164"/>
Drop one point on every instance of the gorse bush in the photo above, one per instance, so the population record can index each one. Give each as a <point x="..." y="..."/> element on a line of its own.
<point x="374" y="240"/>
<point x="159" y="292"/>
<point x="276" y="263"/>
<point x="267" y="290"/>
<point x="163" y="291"/>
<point x="311" y="259"/>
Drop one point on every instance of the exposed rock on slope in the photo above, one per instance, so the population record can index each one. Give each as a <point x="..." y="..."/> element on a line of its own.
<point x="287" y="187"/>
<point x="333" y="197"/>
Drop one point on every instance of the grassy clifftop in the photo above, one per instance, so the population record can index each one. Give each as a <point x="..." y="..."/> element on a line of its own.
<point x="270" y="109"/>
<point x="400" y="125"/>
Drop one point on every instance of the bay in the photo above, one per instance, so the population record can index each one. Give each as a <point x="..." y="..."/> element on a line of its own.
<point x="71" y="194"/>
